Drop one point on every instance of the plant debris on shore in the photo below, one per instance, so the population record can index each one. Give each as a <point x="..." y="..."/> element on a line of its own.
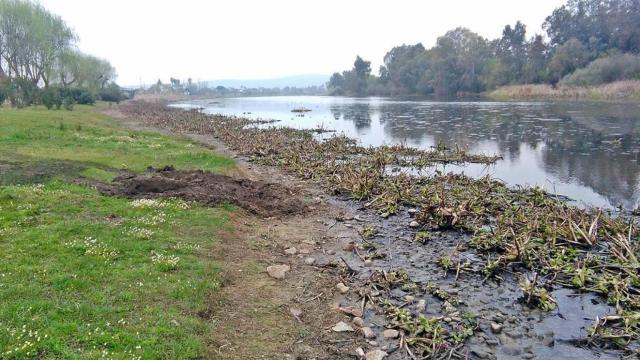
<point x="524" y="231"/>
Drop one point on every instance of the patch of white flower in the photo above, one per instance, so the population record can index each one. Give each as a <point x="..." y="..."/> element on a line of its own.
<point x="153" y="220"/>
<point x="93" y="247"/>
<point x="22" y="342"/>
<point x="166" y="262"/>
<point x="140" y="233"/>
<point x="177" y="204"/>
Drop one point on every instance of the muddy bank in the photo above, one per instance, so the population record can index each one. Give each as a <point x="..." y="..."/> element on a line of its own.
<point x="207" y="188"/>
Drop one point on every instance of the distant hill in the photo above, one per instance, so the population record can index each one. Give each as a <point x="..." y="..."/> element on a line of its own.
<point x="299" y="81"/>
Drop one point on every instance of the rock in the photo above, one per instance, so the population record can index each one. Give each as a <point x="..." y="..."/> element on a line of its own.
<point x="496" y="328"/>
<point x="291" y="251"/>
<point x="278" y="271"/>
<point x="342" y="327"/>
<point x="296" y="313"/>
<point x="409" y="298"/>
<point x="349" y="247"/>
<point x="342" y="288"/>
<point x="511" y="349"/>
<point x="421" y="305"/>
<point x="548" y="339"/>
<point x="514" y="334"/>
<point x="350" y="310"/>
<point x="368" y="262"/>
<point x="390" y="334"/>
<point x="359" y="352"/>
<point x="375" y="355"/>
<point x="357" y="321"/>
<point x="372" y="343"/>
<point x="331" y="252"/>
<point x="412" y="211"/>
<point x="175" y="323"/>
<point x="480" y="351"/>
<point x="309" y="261"/>
<point x="368" y="333"/>
<point x="414" y="224"/>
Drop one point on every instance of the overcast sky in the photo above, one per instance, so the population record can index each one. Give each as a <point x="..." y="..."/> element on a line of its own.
<point x="247" y="39"/>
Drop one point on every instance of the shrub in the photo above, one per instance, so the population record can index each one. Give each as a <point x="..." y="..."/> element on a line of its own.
<point x="79" y="96"/>
<point x="51" y="97"/>
<point x="605" y="70"/>
<point x="3" y="93"/>
<point x="23" y="92"/>
<point x="68" y="103"/>
<point x="112" y="92"/>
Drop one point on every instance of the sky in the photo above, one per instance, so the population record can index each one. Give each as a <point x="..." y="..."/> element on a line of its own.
<point x="255" y="39"/>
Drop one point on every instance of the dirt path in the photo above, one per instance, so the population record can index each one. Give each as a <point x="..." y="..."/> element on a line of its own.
<point x="261" y="317"/>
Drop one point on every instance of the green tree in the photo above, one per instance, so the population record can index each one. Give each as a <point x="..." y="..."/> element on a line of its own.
<point x="566" y="59"/>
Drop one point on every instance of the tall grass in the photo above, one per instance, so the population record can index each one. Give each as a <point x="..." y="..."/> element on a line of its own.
<point x="618" y="90"/>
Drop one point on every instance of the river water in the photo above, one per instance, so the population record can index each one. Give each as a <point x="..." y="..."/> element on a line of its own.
<point x="586" y="151"/>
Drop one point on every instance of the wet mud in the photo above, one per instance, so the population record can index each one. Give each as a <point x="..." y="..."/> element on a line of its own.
<point x="264" y="199"/>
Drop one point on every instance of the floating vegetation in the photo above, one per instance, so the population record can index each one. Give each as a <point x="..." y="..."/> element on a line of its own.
<point x="523" y="230"/>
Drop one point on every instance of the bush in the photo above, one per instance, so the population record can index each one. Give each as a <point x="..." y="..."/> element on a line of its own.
<point x="23" y="92"/>
<point x="68" y="103"/>
<point x="3" y="93"/>
<point x="605" y="70"/>
<point x="51" y="97"/>
<point x="79" y="96"/>
<point x="112" y="92"/>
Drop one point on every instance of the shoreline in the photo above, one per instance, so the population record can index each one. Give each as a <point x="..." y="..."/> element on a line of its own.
<point x="383" y="228"/>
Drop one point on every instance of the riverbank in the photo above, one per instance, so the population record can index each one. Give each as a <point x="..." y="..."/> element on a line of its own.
<point x="426" y="243"/>
<point x="360" y="258"/>
<point x="95" y="266"/>
<point x="619" y="90"/>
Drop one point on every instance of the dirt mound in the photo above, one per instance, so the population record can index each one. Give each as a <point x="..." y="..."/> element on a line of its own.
<point x="206" y="188"/>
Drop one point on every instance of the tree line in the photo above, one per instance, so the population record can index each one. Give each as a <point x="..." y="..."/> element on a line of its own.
<point x="40" y="63"/>
<point x="588" y="42"/>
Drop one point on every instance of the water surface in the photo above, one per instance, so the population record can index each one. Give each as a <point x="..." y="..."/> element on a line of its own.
<point x="586" y="151"/>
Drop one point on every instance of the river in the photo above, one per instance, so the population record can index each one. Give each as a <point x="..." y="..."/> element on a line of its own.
<point x="587" y="151"/>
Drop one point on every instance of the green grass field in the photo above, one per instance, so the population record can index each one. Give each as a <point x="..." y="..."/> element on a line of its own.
<point x="84" y="276"/>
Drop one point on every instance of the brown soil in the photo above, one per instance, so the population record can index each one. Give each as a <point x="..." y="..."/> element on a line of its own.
<point x="257" y="197"/>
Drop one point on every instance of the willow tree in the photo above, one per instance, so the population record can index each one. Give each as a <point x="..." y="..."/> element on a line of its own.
<point x="31" y="40"/>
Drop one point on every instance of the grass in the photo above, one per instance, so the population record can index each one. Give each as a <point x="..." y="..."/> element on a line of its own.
<point x="84" y="276"/>
<point x="97" y="145"/>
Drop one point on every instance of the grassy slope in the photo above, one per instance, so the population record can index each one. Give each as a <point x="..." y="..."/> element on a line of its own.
<point x="87" y="276"/>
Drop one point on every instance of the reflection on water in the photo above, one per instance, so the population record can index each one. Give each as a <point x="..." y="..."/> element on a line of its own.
<point x="586" y="151"/>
